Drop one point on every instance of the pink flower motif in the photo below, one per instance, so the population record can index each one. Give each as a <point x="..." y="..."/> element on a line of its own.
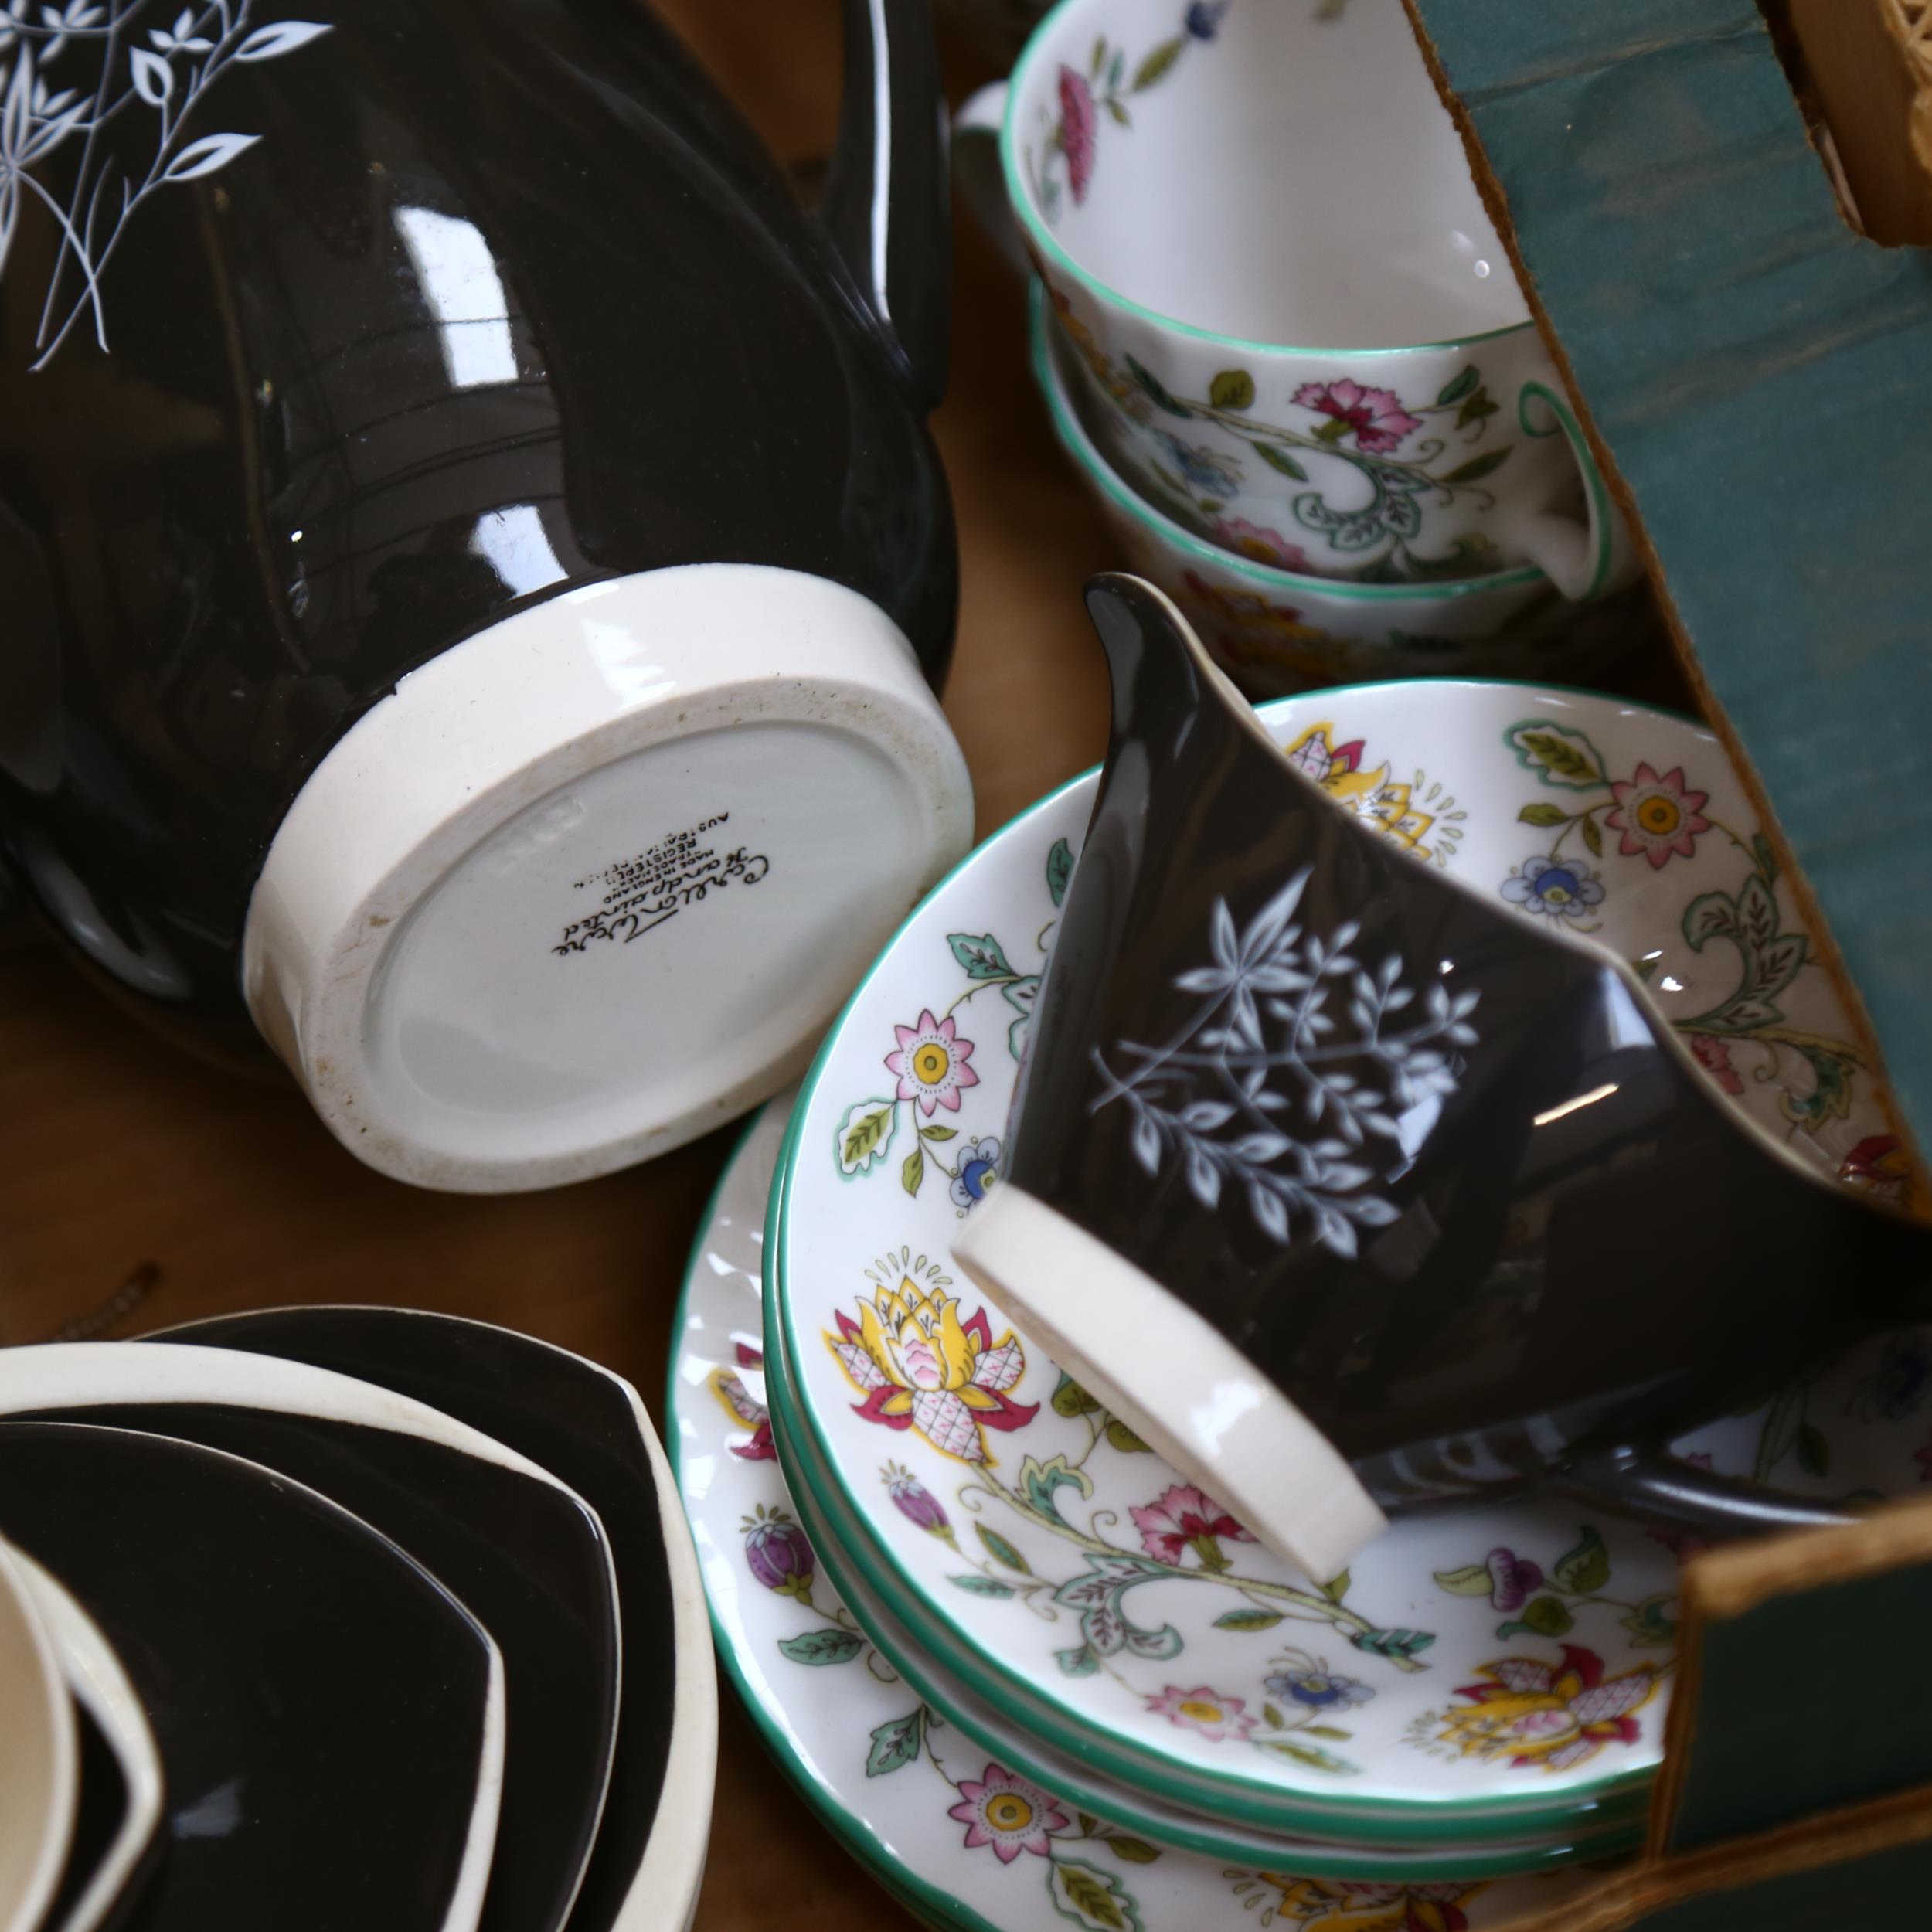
<point x="1216" y="1717"/>
<point x="1656" y="816"/>
<point x="1008" y="1812"/>
<point x="931" y="1063"/>
<point x="1078" y="121"/>
<point x="1715" y="1057"/>
<point x="1258" y="542"/>
<point x="1375" y="415"/>
<point x="1512" y="1579"/>
<point x="1185" y="1517"/>
<point x="1681" y="1542"/>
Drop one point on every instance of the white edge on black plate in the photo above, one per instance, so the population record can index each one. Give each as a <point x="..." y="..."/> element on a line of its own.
<point x="97" y="1681"/>
<point x="674" y="1857"/>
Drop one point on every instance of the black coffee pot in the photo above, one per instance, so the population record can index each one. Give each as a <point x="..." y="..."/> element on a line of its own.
<point x="1354" y="1192"/>
<point x="330" y="344"/>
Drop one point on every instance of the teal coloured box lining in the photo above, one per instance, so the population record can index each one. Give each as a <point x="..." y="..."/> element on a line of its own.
<point x="1762" y="377"/>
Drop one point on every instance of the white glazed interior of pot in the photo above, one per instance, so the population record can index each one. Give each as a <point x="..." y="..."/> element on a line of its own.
<point x="669" y="926"/>
<point x="1281" y="171"/>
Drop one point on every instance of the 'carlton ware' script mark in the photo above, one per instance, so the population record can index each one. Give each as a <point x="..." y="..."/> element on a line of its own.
<point x="640" y="894"/>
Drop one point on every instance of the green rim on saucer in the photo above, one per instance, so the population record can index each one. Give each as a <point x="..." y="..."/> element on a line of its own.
<point x="838" y="1541"/>
<point x="836" y="1717"/>
<point x="1506" y="1730"/>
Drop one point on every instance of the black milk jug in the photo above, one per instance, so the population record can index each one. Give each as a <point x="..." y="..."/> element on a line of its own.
<point x="476" y="571"/>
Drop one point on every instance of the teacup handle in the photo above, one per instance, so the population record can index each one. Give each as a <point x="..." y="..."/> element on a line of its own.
<point x="1658" y="1487"/>
<point x="980" y="172"/>
<point x="1584" y="560"/>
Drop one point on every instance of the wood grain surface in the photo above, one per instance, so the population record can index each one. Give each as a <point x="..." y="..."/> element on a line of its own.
<point x="139" y="1188"/>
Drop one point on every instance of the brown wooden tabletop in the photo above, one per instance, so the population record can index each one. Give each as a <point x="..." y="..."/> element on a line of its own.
<point x="139" y="1188"/>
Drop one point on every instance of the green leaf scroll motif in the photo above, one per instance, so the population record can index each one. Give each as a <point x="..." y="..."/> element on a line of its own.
<point x="1021" y="995"/>
<point x="1592" y="837"/>
<point x="1059" y="869"/>
<point x="1558" y="756"/>
<point x="1248" y="1620"/>
<point x="823" y="1647"/>
<point x="1455" y="390"/>
<point x="1833" y="1068"/>
<point x="1155" y="65"/>
<point x="1586" y="1569"/>
<point x="1038" y="1480"/>
<point x="1479" y="467"/>
<point x="978" y="1585"/>
<point x="1090" y="1897"/>
<point x="1394" y="1642"/>
<point x="1232" y="389"/>
<point x="1277" y="458"/>
<point x="914" y="1171"/>
<point x="1121" y="1437"/>
<point x="1649" y="1626"/>
<point x="1136" y="1851"/>
<point x="1311" y="1755"/>
<point x="1001" y="1551"/>
<point x="864" y="1134"/>
<point x="1070" y="1399"/>
<point x="897" y="1744"/>
<point x="1542" y="813"/>
<point x="1475" y="408"/>
<point x="1770" y="960"/>
<point x="1156" y="391"/>
<point x="1078" y="1662"/>
<point x="1473" y="1580"/>
<point x="980" y="955"/>
<point x="1544" y="1617"/>
<point x="1096" y="1596"/>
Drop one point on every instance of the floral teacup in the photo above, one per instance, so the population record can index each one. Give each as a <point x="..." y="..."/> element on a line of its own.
<point x="1274" y="631"/>
<point x="1202" y="185"/>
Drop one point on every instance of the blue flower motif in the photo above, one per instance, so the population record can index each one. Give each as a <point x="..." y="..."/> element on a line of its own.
<point x="978" y="1169"/>
<point x="1318" y="1689"/>
<point x="1206" y="468"/>
<point x="1542" y="884"/>
<point x="1204" y="18"/>
<point x="1897" y="1388"/>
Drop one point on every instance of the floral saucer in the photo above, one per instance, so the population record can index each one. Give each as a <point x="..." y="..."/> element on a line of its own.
<point x="828" y="1527"/>
<point x="958" y="1836"/>
<point x="1498" y="1674"/>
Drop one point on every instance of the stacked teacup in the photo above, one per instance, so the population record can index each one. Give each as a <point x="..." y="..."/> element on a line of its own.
<point x="1201" y="188"/>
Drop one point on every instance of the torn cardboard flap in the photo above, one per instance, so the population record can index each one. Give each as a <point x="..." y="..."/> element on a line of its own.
<point x="1757" y="378"/>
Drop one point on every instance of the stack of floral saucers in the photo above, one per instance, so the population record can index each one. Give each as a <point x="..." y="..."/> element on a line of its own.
<point x="1029" y="1674"/>
<point x="348" y="1617"/>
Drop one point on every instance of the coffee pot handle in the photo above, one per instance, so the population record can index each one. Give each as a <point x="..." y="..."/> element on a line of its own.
<point x="1657" y="1487"/>
<point x="885" y="204"/>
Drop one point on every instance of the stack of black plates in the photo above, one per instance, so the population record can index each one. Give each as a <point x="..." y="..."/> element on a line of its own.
<point x="352" y="1618"/>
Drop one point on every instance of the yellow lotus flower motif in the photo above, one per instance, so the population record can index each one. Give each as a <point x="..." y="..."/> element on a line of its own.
<point x="920" y="1365"/>
<point x="917" y="1338"/>
<point x="1551" y="1715"/>
<point x="1332" y="1905"/>
<point x="1386" y="803"/>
